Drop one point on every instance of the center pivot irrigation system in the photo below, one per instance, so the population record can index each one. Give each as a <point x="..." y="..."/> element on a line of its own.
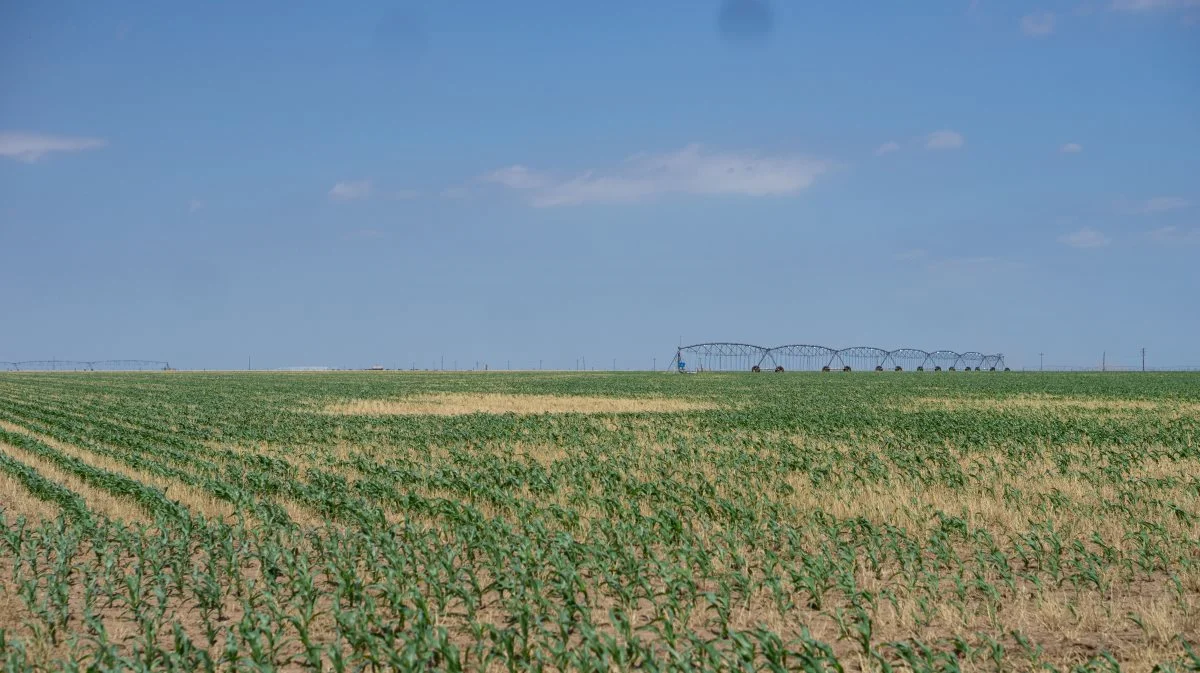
<point x="729" y="357"/>
<point x="84" y="366"/>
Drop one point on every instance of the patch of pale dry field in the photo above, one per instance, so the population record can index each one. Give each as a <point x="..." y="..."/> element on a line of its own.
<point x="16" y="501"/>
<point x="194" y="498"/>
<point x="97" y="500"/>
<point x="461" y="404"/>
<point x="982" y="500"/>
<point x="1044" y="403"/>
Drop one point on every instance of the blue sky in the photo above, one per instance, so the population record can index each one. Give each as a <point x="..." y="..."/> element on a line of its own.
<point x="321" y="184"/>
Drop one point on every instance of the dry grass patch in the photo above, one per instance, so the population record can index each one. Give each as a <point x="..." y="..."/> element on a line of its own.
<point x="15" y="501"/>
<point x="460" y="404"/>
<point x="541" y="453"/>
<point x="911" y="505"/>
<point x="195" y="499"/>
<point x="1087" y="501"/>
<point x="98" y="501"/>
<point x="303" y="459"/>
<point x="1045" y="403"/>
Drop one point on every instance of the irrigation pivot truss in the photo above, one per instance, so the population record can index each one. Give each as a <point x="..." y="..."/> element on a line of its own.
<point x="84" y="366"/>
<point x="727" y="357"/>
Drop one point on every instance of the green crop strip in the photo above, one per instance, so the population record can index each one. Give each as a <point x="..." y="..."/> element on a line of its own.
<point x="45" y="489"/>
<point x="148" y="497"/>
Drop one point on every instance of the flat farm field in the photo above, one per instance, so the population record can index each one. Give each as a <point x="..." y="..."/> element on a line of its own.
<point x="374" y="521"/>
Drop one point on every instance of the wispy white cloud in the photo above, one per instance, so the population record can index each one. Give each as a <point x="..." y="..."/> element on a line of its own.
<point x="194" y="205"/>
<point x="1085" y="238"/>
<point x="1071" y="148"/>
<point x="455" y="193"/>
<point x="944" y="140"/>
<point x="1173" y="234"/>
<point x="29" y="146"/>
<point x="1162" y="204"/>
<point x="1038" y="24"/>
<point x="1152" y="5"/>
<point x="691" y="170"/>
<point x="349" y="191"/>
<point x="887" y="148"/>
<point x="516" y="177"/>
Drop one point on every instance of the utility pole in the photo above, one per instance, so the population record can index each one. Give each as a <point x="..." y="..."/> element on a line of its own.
<point x="614" y="364"/>
<point x="442" y="364"/>
<point x="1041" y="362"/>
<point x="654" y="364"/>
<point x="1104" y="361"/>
<point x="539" y="365"/>
<point x="247" y="363"/>
<point x="1143" y="359"/>
<point x="584" y="362"/>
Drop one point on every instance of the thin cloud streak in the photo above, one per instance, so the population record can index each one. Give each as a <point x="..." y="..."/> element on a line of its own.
<point x="1085" y="238"/>
<point x="1162" y="204"/>
<point x="692" y="170"/>
<point x="516" y="177"/>
<point x="350" y="191"/>
<point x="887" y="148"/>
<point x="29" y="146"/>
<point x="1039" y="24"/>
<point x="945" y="140"/>
<point x="1135" y="6"/>
<point x="1174" y="234"/>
